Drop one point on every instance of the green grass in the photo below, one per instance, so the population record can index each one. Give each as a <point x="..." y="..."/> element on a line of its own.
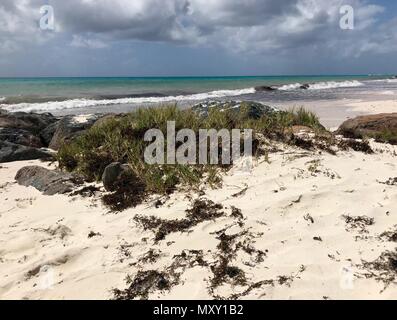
<point x="386" y="136"/>
<point x="303" y="117"/>
<point x="121" y="139"/>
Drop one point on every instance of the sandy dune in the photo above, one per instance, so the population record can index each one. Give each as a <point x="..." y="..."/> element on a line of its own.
<point x="292" y="234"/>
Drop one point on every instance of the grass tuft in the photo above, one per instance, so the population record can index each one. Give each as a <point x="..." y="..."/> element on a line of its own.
<point x="121" y="139"/>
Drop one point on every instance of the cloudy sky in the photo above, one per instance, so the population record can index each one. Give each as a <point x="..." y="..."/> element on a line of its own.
<point x="197" y="37"/>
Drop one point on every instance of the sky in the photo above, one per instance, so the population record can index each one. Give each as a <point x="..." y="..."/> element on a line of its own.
<point x="196" y="38"/>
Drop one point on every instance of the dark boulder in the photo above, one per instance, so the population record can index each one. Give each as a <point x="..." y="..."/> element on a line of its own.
<point x="20" y="136"/>
<point x="47" y="134"/>
<point x="305" y="86"/>
<point x="245" y="109"/>
<point x="15" y="152"/>
<point x="265" y="88"/>
<point x="47" y="181"/>
<point x="32" y="122"/>
<point x="382" y="127"/>
<point x="70" y="127"/>
<point x="112" y="173"/>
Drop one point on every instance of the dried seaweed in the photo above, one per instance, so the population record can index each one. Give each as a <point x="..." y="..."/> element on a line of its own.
<point x="358" y="223"/>
<point x="202" y="210"/>
<point x="383" y="269"/>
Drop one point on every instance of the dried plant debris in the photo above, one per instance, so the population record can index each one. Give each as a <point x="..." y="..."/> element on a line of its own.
<point x="280" y="280"/>
<point x="356" y="145"/>
<point x="189" y="259"/>
<point x="86" y="192"/>
<point x="358" y="223"/>
<point x="383" y="269"/>
<point x="127" y="192"/>
<point x="93" y="234"/>
<point x="308" y="217"/>
<point x="240" y="193"/>
<point x="257" y="256"/>
<point x="223" y="272"/>
<point x="125" y="252"/>
<point x="144" y="283"/>
<point x="149" y="257"/>
<point x="236" y="213"/>
<point x="390" y="236"/>
<point x="390" y="182"/>
<point x="147" y="282"/>
<point x="221" y="265"/>
<point x="202" y="210"/>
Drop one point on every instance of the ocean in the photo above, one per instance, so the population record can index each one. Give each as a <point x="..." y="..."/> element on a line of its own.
<point x="71" y="95"/>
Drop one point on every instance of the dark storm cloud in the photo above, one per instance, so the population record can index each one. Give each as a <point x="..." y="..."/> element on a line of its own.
<point x="287" y="28"/>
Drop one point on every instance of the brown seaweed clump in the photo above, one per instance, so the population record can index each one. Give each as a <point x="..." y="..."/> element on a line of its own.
<point x="202" y="210"/>
<point x="383" y="269"/>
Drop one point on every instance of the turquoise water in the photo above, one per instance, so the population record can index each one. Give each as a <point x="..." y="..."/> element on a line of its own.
<point x="51" y="94"/>
<point x="97" y="87"/>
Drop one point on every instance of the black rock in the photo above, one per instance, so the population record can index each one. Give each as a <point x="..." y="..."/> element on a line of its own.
<point x="265" y="88"/>
<point x="246" y="109"/>
<point x="15" y="152"/>
<point x="69" y="128"/>
<point x="112" y="173"/>
<point x="20" y="136"/>
<point x="47" y="134"/>
<point x="47" y="181"/>
<point x="32" y="122"/>
<point x="305" y="86"/>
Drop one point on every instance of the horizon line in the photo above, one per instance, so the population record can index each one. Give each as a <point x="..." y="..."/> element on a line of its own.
<point x="201" y="76"/>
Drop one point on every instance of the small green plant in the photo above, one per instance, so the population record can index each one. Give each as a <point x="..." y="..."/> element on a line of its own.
<point x="303" y="117"/>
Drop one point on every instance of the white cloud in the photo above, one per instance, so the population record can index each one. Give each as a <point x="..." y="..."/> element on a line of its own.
<point x="250" y="26"/>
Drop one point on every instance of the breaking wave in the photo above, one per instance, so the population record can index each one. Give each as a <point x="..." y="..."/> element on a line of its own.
<point x="322" y="85"/>
<point x="288" y="87"/>
<point x="333" y="84"/>
<point x="87" y="103"/>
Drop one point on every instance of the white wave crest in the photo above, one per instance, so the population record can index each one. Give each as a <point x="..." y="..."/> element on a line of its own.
<point x="323" y="85"/>
<point x="334" y="84"/>
<point x="2" y="98"/>
<point x="87" y="103"/>
<point x="293" y="86"/>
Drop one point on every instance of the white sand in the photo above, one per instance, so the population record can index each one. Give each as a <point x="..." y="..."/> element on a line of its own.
<point x="69" y="265"/>
<point x="333" y="113"/>
<point x="373" y="107"/>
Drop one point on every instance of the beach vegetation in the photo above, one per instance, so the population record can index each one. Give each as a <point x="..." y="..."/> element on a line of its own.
<point x="121" y="139"/>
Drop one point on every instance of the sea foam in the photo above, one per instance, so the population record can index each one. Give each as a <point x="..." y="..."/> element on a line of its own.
<point x="87" y="103"/>
<point x="323" y="85"/>
<point x="333" y="84"/>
